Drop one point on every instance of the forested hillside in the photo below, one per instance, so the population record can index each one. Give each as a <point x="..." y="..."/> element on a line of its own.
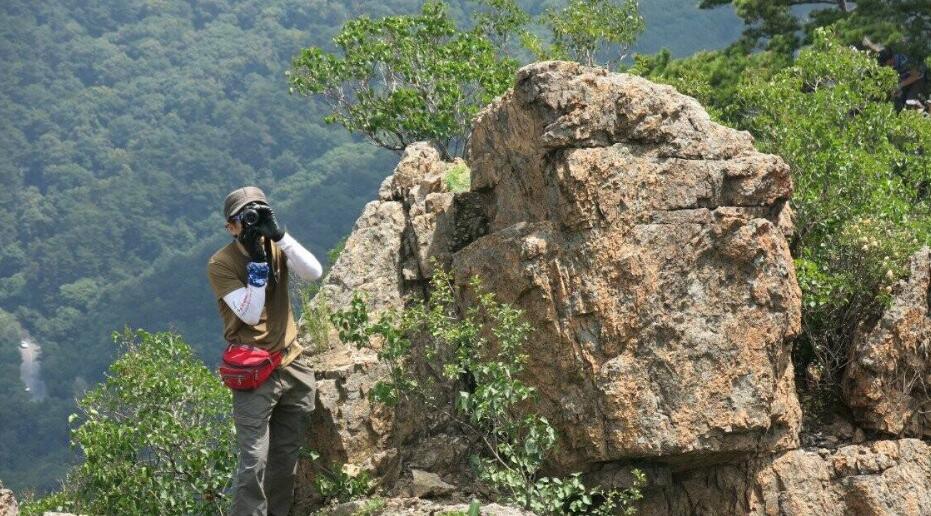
<point x="125" y="125"/>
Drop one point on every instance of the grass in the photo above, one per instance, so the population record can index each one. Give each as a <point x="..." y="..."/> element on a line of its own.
<point x="458" y="178"/>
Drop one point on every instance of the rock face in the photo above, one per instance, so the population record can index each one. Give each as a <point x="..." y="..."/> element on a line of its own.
<point x="643" y="242"/>
<point x="8" y="505"/>
<point x="887" y="383"/>
<point x="647" y="246"/>
<point x="388" y="258"/>
<point x="882" y="478"/>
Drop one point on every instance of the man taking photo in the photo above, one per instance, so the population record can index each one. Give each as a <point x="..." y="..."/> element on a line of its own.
<point x="249" y="278"/>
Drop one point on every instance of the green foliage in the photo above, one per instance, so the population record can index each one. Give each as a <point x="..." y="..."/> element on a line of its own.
<point x="61" y="501"/>
<point x="862" y="173"/>
<point x="371" y="507"/>
<point x="157" y="436"/>
<point x="333" y="254"/>
<point x="315" y="320"/>
<point x="11" y="333"/>
<point x="458" y="178"/>
<point x="482" y="359"/>
<point x="339" y="485"/>
<point x="586" y="28"/>
<point x="900" y="23"/>
<point x="403" y="79"/>
<point x="713" y="78"/>
<point x="503" y="22"/>
<point x="474" y="509"/>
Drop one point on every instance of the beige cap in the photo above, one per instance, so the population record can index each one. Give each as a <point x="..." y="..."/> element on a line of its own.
<point x="241" y="197"/>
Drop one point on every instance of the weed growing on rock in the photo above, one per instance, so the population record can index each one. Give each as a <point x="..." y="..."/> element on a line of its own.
<point x="339" y="484"/>
<point x="458" y="178"/>
<point x="481" y="352"/>
<point x="315" y="321"/>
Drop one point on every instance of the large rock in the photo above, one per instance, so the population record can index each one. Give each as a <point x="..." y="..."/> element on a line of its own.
<point x="8" y="505"/>
<point x="887" y="383"/>
<point x="643" y="242"/>
<point x="389" y="258"/>
<point x="889" y="478"/>
<point x="646" y="244"/>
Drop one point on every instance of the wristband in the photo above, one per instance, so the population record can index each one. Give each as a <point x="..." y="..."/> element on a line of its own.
<point x="258" y="273"/>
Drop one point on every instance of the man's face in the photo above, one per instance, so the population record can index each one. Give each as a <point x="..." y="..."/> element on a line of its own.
<point x="234" y="227"/>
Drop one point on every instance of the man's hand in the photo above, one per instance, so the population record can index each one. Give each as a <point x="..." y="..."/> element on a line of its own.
<point x="251" y="239"/>
<point x="267" y="224"/>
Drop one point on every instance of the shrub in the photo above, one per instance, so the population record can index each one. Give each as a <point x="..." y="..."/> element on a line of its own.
<point x="315" y="320"/>
<point x="403" y="79"/>
<point x="338" y="484"/>
<point x="482" y="360"/>
<point x="862" y="173"/>
<point x="157" y="436"/>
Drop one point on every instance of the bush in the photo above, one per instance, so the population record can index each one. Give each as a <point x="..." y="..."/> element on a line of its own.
<point x="862" y="174"/>
<point x="157" y="436"/>
<point x="482" y="359"/>
<point x="337" y="484"/>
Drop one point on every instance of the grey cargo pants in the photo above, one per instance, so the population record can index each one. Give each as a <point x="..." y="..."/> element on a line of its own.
<point x="270" y="423"/>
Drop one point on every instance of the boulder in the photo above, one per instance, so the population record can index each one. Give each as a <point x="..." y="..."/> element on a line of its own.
<point x="425" y="484"/>
<point x="646" y="246"/>
<point x="389" y="258"/>
<point x="8" y="505"/>
<point x="887" y="382"/>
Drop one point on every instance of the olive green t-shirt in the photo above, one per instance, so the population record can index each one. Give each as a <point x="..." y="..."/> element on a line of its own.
<point x="276" y="328"/>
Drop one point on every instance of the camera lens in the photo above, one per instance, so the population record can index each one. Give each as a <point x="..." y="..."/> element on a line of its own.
<point x="249" y="217"/>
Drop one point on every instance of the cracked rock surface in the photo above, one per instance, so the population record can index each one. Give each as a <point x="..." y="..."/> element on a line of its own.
<point x="887" y="383"/>
<point x="880" y="478"/>
<point x="643" y="242"/>
<point x="647" y="246"/>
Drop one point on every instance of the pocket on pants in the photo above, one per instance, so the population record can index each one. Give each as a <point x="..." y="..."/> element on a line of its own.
<point x="303" y="386"/>
<point x="253" y="408"/>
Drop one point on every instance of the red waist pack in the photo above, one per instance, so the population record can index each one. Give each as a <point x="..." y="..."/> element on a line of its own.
<point x="245" y="367"/>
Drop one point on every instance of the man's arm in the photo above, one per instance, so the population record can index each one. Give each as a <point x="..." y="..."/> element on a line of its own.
<point x="912" y="77"/>
<point x="302" y="261"/>
<point x="299" y="258"/>
<point x="247" y="302"/>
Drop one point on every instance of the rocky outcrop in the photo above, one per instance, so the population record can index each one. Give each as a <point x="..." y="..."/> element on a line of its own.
<point x="8" y="505"/>
<point x="882" y="478"/>
<point x="414" y="225"/>
<point x="647" y="247"/>
<point x="887" y="383"/>
<point x="642" y="241"/>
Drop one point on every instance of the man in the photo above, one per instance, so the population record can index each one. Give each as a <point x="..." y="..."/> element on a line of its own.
<point x="249" y="277"/>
